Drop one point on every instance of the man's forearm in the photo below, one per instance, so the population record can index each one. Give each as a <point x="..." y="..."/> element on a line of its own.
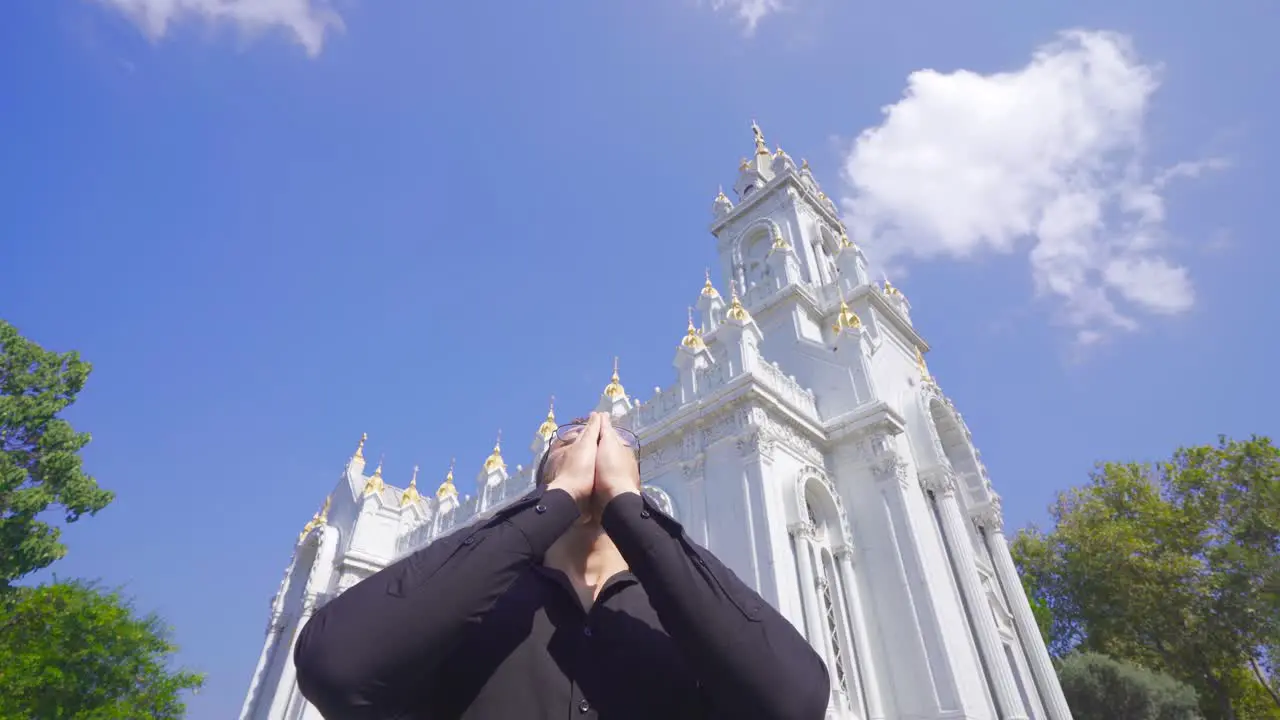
<point x="355" y="653"/>
<point x="751" y="660"/>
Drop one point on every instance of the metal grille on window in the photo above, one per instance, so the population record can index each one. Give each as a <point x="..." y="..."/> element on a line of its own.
<point x="829" y="607"/>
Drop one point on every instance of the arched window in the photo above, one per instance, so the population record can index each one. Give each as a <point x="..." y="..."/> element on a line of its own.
<point x="831" y="595"/>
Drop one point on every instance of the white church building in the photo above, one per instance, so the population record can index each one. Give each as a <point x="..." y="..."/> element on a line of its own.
<point x="804" y="442"/>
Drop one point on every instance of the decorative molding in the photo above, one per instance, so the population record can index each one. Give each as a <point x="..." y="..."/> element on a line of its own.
<point x="811" y="473"/>
<point x="803" y="530"/>
<point x="989" y="516"/>
<point x="939" y="481"/>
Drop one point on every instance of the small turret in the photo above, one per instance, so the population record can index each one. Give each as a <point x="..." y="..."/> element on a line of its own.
<point x="710" y="304"/>
<point x="375" y="485"/>
<point x="544" y="432"/>
<point x="411" y="494"/>
<point x="613" y="399"/>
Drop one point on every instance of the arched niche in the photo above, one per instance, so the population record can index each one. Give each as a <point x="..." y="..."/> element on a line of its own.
<point x="816" y="502"/>
<point x="953" y="444"/>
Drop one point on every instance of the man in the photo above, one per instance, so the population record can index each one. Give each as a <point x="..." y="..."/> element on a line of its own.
<point x="581" y="600"/>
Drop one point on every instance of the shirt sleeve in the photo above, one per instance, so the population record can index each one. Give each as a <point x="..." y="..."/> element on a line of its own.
<point x="751" y="660"/>
<point x="369" y="652"/>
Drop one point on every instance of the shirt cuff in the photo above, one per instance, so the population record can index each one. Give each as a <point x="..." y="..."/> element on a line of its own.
<point x="546" y="518"/>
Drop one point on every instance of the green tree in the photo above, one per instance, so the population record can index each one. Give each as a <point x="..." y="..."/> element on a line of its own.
<point x="71" y="650"/>
<point x="39" y="453"/>
<point x="1098" y="687"/>
<point x="1175" y="566"/>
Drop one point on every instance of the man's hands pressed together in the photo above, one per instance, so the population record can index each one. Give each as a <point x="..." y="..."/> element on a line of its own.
<point x="596" y="467"/>
<point x="617" y="469"/>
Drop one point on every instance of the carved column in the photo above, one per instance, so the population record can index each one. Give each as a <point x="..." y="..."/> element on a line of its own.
<point x="943" y="487"/>
<point x="813" y="614"/>
<point x="865" y="661"/>
<point x="991" y="520"/>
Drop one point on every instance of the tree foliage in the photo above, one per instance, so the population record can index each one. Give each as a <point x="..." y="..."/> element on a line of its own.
<point x="1175" y="566"/>
<point x="1098" y="687"/>
<point x="39" y="453"/>
<point x="71" y="650"/>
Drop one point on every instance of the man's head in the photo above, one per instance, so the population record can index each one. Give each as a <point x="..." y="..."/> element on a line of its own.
<point x="564" y="436"/>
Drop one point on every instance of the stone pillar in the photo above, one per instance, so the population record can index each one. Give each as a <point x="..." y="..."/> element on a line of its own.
<point x="943" y="487"/>
<point x="281" y="699"/>
<point x="269" y="648"/>
<point x="813" y="614"/>
<point x="1055" y="703"/>
<point x="865" y="662"/>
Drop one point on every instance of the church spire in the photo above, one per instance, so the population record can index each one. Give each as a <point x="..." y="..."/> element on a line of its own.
<point x="761" y="147"/>
<point x="495" y="462"/>
<point x="614" y="389"/>
<point x="447" y="488"/>
<point x="548" y="426"/>
<point x="411" y="494"/>
<point x="375" y="484"/>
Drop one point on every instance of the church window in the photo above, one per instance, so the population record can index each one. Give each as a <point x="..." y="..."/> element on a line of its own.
<point x="833" y="629"/>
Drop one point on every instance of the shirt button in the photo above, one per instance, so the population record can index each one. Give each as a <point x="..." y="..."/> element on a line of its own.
<point x="468" y="541"/>
<point x="644" y="513"/>
<point x="540" y="508"/>
<point x="584" y="706"/>
<point x="587" y="631"/>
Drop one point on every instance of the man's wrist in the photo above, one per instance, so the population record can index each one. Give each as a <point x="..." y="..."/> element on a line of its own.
<point x="609" y="496"/>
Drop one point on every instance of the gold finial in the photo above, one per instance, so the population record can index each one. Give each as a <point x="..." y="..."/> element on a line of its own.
<point x="845" y="242"/>
<point x="375" y="484"/>
<point x="889" y="289"/>
<point x="847" y="319"/>
<point x="447" y="488"/>
<point x="744" y="165"/>
<point x="494" y="461"/>
<point x="736" y="311"/>
<point x="360" y="448"/>
<point x="614" y="389"/>
<point x="720" y="192"/>
<point x="804" y="163"/>
<point x="692" y="339"/>
<point x="411" y="494"/>
<point x="708" y="289"/>
<point x="779" y="243"/>
<point x="924" y="369"/>
<point x="320" y="518"/>
<point x="548" y="426"/>
<point x="761" y="148"/>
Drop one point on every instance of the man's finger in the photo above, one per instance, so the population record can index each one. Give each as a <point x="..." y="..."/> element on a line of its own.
<point x="591" y="432"/>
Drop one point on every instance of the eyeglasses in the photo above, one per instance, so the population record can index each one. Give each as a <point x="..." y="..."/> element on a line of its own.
<point x="569" y="433"/>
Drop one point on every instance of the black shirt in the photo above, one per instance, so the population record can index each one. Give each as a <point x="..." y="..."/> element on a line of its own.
<point x="474" y="626"/>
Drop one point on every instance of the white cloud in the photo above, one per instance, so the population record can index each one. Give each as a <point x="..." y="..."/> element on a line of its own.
<point x="1048" y="157"/>
<point x="306" y="20"/>
<point x="750" y="12"/>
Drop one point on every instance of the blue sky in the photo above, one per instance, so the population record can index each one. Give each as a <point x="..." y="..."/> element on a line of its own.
<point x="425" y="220"/>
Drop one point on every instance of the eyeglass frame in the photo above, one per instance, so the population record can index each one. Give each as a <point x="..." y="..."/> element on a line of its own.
<point x="623" y="433"/>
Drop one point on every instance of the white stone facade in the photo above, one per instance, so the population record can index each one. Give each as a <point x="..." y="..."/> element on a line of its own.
<point x="805" y="443"/>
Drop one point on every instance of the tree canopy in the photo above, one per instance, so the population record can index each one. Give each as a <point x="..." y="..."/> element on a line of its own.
<point x="67" y="649"/>
<point x="40" y="464"/>
<point x="71" y="650"/>
<point x="1174" y="565"/>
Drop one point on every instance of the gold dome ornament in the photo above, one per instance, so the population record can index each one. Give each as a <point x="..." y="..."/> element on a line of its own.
<point x="375" y="484"/>
<point x="692" y="338"/>
<point x="548" y="426"/>
<point x="924" y="369"/>
<point x="614" y="389"/>
<point x="761" y="148"/>
<point x="447" y="488"/>
<point x="736" y="311"/>
<point x="708" y="289"/>
<point x="360" y="448"/>
<point x="411" y="494"/>
<point x="320" y="518"/>
<point x="847" y="319"/>
<point x="494" y="461"/>
<point x="889" y="289"/>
